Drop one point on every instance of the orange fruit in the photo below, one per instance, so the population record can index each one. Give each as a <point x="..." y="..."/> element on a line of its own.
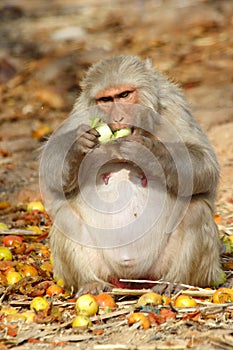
<point x="136" y="317"/>
<point x="185" y="301"/>
<point x="222" y="296"/>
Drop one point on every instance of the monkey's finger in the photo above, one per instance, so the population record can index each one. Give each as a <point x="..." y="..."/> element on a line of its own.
<point x="93" y="132"/>
<point x="86" y="143"/>
<point x="88" y="136"/>
<point x="93" y="288"/>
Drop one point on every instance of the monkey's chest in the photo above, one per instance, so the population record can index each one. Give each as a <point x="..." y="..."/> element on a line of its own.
<point x="120" y="194"/>
<point x="119" y="206"/>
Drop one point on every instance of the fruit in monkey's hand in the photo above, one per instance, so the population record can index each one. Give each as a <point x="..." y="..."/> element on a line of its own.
<point x="106" y="133"/>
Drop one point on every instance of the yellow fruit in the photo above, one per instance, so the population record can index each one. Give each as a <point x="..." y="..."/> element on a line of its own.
<point x="166" y="300"/>
<point x="87" y="305"/>
<point x="13" y="277"/>
<point x="29" y="315"/>
<point x="149" y="298"/>
<point x="9" y="311"/>
<point x="35" y="206"/>
<point x="35" y="229"/>
<point x="185" y="301"/>
<point x="81" y="321"/>
<point x="3" y="227"/>
<point x="5" y="254"/>
<point x="59" y="282"/>
<point x="39" y="303"/>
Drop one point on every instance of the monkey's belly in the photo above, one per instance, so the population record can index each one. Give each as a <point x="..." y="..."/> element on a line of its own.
<point x="121" y="208"/>
<point x="119" y="198"/>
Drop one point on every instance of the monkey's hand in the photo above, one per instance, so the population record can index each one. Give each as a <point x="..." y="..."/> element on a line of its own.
<point x="93" y="288"/>
<point x="139" y="150"/>
<point x="87" y="139"/>
<point x="137" y="140"/>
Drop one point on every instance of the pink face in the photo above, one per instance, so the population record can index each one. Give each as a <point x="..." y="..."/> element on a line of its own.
<point x="121" y="93"/>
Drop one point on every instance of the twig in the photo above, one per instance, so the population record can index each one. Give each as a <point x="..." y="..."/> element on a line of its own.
<point x="110" y="315"/>
<point x="19" y="232"/>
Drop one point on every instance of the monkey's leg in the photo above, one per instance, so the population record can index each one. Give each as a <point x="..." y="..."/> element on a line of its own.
<point x="78" y="266"/>
<point x="192" y="252"/>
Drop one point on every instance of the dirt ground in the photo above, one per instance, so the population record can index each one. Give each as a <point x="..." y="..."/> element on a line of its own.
<point x="45" y="48"/>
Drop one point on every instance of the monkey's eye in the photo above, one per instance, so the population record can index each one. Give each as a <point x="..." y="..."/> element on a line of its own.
<point x="124" y="94"/>
<point x="105" y="99"/>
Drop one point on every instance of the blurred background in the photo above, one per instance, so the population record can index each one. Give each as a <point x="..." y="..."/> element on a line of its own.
<point x="46" y="46"/>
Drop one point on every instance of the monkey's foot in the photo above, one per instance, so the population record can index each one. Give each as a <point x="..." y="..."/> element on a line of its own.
<point x="228" y="283"/>
<point x="93" y="288"/>
<point x="168" y="288"/>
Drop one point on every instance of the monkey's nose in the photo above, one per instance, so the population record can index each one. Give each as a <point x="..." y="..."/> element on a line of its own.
<point x="118" y="118"/>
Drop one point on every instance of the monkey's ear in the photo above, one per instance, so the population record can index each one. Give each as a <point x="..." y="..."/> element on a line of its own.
<point x="148" y="63"/>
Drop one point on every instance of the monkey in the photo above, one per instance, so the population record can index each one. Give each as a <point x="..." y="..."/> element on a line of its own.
<point x="138" y="207"/>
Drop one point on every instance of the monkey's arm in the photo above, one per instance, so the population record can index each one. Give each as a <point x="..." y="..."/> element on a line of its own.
<point x="61" y="159"/>
<point x="182" y="163"/>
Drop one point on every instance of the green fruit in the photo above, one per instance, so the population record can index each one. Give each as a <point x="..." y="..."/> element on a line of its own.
<point x="105" y="133"/>
<point x="39" y="303"/>
<point x="3" y="227"/>
<point x="5" y="254"/>
<point x="81" y="321"/>
<point x="122" y="133"/>
<point x="222" y="279"/>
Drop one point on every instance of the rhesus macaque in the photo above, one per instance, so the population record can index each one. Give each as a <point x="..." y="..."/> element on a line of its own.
<point x="164" y="174"/>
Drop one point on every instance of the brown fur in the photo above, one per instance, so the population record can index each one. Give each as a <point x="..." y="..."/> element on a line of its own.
<point x="190" y="253"/>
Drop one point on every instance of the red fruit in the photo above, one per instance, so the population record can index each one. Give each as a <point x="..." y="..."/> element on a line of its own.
<point x="9" y="241"/>
<point x="105" y="300"/>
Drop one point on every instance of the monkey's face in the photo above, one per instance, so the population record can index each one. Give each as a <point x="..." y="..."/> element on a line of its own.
<point x="107" y="100"/>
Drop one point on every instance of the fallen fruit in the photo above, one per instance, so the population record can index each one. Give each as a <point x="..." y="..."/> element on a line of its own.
<point x="35" y="206"/>
<point x="29" y="315"/>
<point x="41" y="131"/>
<point x="35" y="229"/>
<point x="87" y="305"/>
<point x="166" y="300"/>
<point x="3" y="226"/>
<point x="28" y="270"/>
<point x="54" y="290"/>
<point x="13" y="277"/>
<point x="39" y="304"/>
<point x="185" y="301"/>
<point x="59" y="282"/>
<point x="9" y="241"/>
<point x="222" y="296"/>
<point x="105" y="301"/>
<point x="5" y="254"/>
<point x="9" y="311"/>
<point x="81" y="321"/>
<point x="136" y="317"/>
<point x="149" y="298"/>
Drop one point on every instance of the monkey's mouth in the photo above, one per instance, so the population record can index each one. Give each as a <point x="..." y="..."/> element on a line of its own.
<point x="119" y="126"/>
